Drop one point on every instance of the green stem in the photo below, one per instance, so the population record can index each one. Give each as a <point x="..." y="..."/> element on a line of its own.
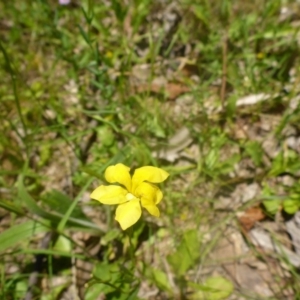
<point x="129" y="232"/>
<point x="15" y="91"/>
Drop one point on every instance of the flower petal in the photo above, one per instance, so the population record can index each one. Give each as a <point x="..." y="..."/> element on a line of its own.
<point x="159" y="196"/>
<point x="119" y="173"/>
<point x="149" y="191"/>
<point x="110" y="194"/>
<point x="128" y="213"/>
<point x="151" y="207"/>
<point x="148" y="173"/>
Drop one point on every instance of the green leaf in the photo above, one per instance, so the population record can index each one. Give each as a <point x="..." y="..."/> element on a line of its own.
<point x="19" y="233"/>
<point x="89" y="14"/>
<point x="212" y="158"/>
<point x="20" y="289"/>
<point x="255" y="151"/>
<point x="227" y="166"/>
<point x="10" y="206"/>
<point x="278" y="165"/>
<point x="68" y="213"/>
<point x="292" y="162"/>
<point x="60" y="203"/>
<point x="110" y="236"/>
<point x="108" y="277"/>
<point x="106" y="135"/>
<point x="291" y="206"/>
<point x="30" y="202"/>
<point x="85" y="35"/>
<point x="63" y="244"/>
<point x="106" y="272"/>
<point x="187" y="253"/>
<point x="56" y="217"/>
<point x="93" y="292"/>
<point x="214" y="288"/>
<point x="158" y="278"/>
<point x="52" y="252"/>
<point x="161" y="280"/>
<point x="272" y="205"/>
<point x="201" y="13"/>
<point x="119" y="11"/>
<point x="115" y="281"/>
<point x="271" y="202"/>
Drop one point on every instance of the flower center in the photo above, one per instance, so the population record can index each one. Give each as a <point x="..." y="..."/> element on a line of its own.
<point x="129" y="197"/>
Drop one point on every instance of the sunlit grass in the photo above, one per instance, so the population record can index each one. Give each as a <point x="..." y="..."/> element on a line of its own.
<point x="92" y="84"/>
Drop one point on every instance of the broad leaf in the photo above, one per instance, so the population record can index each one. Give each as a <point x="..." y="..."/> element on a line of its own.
<point x="214" y="288"/>
<point x="291" y="206"/>
<point x="187" y="253"/>
<point x="20" y="233"/>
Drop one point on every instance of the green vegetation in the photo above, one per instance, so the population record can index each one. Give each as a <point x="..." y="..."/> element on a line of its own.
<point x="206" y="90"/>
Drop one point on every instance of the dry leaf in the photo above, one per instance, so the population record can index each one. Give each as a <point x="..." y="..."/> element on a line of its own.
<point x="250" y="217"/>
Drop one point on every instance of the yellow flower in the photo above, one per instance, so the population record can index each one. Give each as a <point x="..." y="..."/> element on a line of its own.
<point x="135" y="192"/>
